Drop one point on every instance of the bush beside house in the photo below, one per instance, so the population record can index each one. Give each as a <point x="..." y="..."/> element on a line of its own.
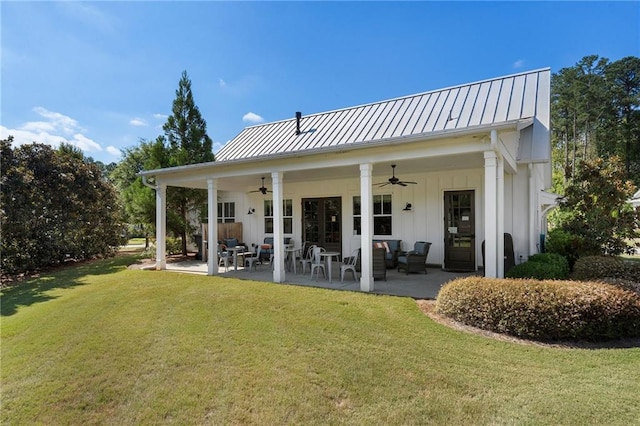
<point x="543" y="266"/>
<point x="549" y="310"/>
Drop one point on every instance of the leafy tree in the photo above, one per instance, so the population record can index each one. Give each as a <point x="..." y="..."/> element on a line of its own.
<point x="55" y="206"/>
<point x="138" y="199"/>
<point x="188" y="143"/>
<point x="595" y="207"/>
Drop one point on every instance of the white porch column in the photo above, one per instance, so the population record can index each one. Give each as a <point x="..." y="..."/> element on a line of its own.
<point x="212" y="228"/>
<point x="366" y="224"/>
<point x="161" y="226"/>
<point x="500" y="217"/>
<point x="490" y="215"/>
<point x="278" y="228"/>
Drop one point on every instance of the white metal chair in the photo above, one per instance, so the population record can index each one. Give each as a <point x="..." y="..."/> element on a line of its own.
<point x="307" y="258"/>
<point x="349" y="264"/>
<point x="223" y="258"/>
<point x="317" y="262"/>
<point x="253" y="259"/>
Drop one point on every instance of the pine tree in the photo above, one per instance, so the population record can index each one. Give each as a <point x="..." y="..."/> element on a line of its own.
<point x="188" y="143"/>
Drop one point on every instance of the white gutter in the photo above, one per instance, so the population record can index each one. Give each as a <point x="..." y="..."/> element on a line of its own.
<point x="145" y="183"/>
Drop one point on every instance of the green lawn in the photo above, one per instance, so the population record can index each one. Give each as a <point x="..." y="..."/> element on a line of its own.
<point x="98" y="343"/>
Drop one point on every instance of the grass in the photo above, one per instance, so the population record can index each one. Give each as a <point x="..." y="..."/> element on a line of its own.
<point x="98" y="343"/>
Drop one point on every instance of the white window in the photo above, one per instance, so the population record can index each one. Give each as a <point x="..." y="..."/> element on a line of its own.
<point x="226" y="212"/>
<point x="382" y="217"/>
<point x="287" y="216"/>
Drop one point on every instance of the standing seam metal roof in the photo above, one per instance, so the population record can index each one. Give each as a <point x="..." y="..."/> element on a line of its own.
<point x="486" y="102"/>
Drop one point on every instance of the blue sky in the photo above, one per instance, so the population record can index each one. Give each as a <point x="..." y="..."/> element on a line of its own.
<point x="103" y="75"/>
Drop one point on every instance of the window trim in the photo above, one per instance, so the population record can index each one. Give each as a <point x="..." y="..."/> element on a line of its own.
<point x="286" y="219"/>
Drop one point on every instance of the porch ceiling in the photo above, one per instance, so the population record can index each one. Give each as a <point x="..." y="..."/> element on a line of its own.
<point x="251" y="179"/>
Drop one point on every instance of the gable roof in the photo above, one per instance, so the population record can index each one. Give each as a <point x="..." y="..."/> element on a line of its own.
<point x="481" y="104"/>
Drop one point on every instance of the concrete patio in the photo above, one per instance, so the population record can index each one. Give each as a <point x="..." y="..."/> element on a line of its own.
<point x="415" y="285"/>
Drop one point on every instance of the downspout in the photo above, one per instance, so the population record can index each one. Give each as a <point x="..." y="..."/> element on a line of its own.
<point x="533" y="212"/>
<point x="145" y="183"/>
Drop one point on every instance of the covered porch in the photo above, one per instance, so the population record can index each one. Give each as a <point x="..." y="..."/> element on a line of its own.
<point x="414" y="285"/>
<point x="471" y="163"/>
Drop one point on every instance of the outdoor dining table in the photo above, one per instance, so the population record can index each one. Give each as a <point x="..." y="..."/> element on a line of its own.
<point x="290" y="257"/>
<point x="327" y="255"/>
<point x="235" y="251"/>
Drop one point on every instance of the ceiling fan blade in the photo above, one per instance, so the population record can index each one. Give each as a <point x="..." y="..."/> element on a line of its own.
<point x="412" y="183"/>
<point x="402" y="184"/>
<point x="382" y="184"/>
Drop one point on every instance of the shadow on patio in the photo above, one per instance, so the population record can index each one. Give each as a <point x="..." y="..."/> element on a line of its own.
<point x="415" y="285"/>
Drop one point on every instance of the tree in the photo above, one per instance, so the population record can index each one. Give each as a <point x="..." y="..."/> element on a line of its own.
<point x="595" y="207"/>
<point x="595" y="111"/>
<point x="55" y="206"/>
<point x="139" y="200"/>
<point x="579" y="103"/>
<point x="188" y="143"/>
<point x="623" y="80"/>
<point x="185" y="142"/>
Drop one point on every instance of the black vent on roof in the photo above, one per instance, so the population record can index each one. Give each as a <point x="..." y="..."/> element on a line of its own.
<point x="298" y="117"/>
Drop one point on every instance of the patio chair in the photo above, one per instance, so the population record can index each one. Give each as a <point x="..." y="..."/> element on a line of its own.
<point x="307" y="257"/>
<point x="223" y="257"/>
<point x="252" y="259"/>
<point x="416" y="259"/>
<point x="379" y="263"/>
<point x="349" y="264"/>
<point x="317" y="262"/>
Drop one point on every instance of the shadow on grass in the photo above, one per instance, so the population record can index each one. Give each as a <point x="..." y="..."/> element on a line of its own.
<point x="36" y="289"/>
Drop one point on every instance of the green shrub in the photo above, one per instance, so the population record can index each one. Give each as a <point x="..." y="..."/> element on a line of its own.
<point x="600" y="267"/>
<point x="565" y="244"/>
<point x="543" y="266"/>
<point x="543" y="310"/>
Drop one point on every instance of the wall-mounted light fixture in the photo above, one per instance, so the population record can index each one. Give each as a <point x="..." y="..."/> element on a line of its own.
<point x="251" y="211"/>
<point x="407" y="208"/>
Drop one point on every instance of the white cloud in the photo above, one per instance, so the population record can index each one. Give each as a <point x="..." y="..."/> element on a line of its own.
<point x="138" y="122"/>
<point x="518" y="64"/>
<point x="84" y="143"/>
<point x="113" y="150"/>
<point x="222" y="83"/>
<point x="159" y="116"/>
<point x="56" y="129"/>
<point x="55" y="122"/>
<point x="250" y="117"/>
<point x="216" y="146"/>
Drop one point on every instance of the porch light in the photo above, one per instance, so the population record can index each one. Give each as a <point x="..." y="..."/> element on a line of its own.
<point x="251" y="211"/>
<point x="407" y="208"/>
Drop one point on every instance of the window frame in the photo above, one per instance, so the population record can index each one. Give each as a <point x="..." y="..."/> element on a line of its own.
<point x="287" y="216"/>
<point x="383" y="217"/>
<point x="225" y="208"/>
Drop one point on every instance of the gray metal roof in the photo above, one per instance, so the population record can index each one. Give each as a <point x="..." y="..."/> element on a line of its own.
<point x="482" y="103"/>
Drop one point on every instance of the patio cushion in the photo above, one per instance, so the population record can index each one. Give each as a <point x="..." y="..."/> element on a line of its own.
<point x="393" y="250"/>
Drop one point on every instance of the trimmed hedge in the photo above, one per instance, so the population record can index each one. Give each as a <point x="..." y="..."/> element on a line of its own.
<point x="543" y="310"/>
<point x="600" y="267"/>
<point x="543" y="266"/>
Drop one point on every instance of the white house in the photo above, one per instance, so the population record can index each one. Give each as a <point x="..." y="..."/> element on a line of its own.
<point x="479" y="155"/>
